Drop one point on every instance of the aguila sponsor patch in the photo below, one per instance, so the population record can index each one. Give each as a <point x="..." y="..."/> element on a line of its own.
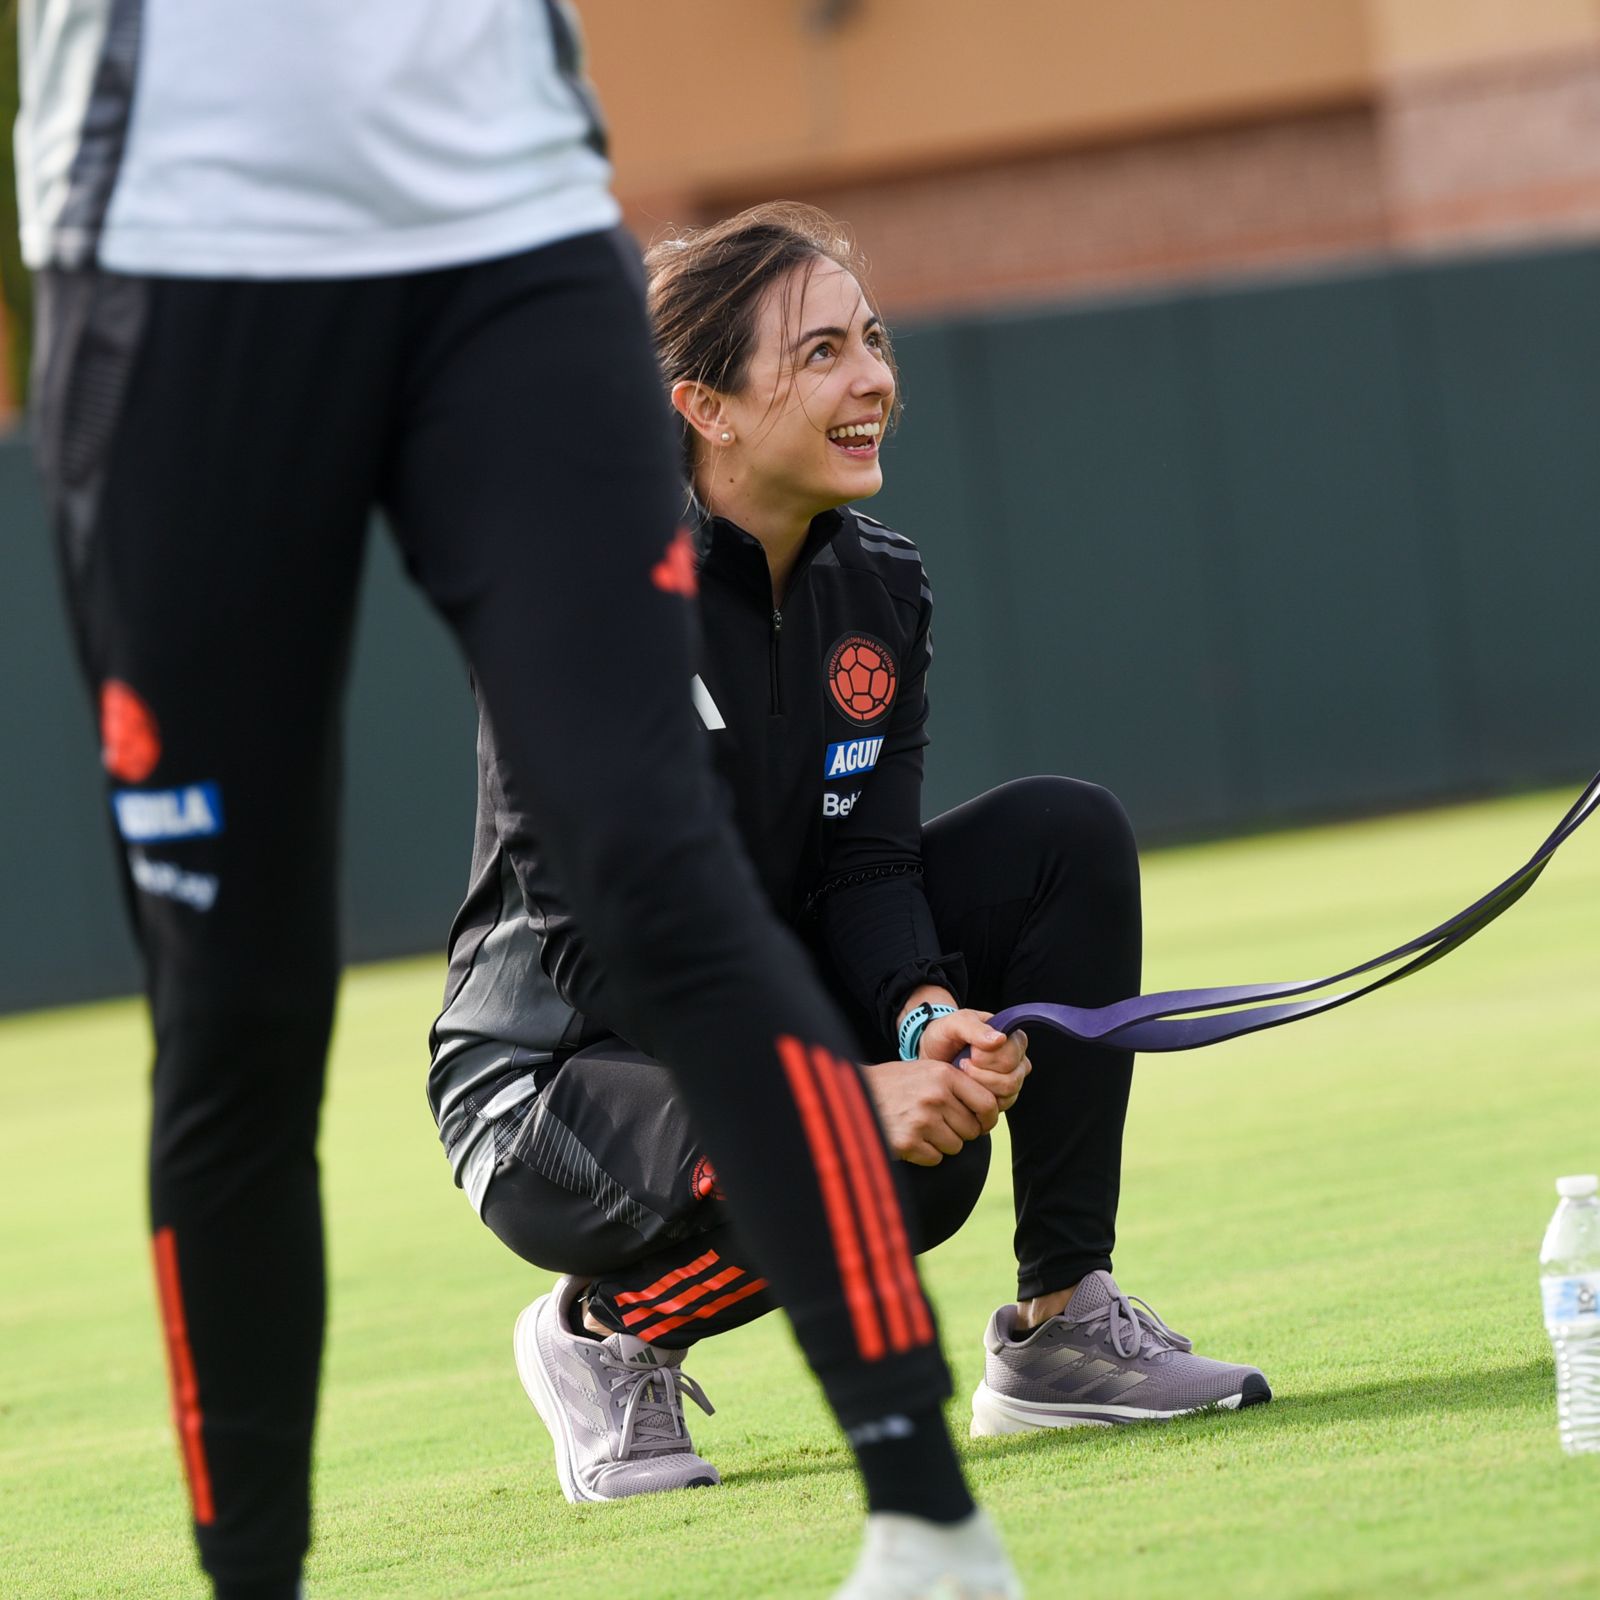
<point x="149" y="816"/>
<point x="850" y="756"/>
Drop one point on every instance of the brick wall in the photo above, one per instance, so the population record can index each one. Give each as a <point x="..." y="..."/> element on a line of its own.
<point x="1495" y="153"/>
<point x="1124" y="214"/>
<point x="1484" y="154"/>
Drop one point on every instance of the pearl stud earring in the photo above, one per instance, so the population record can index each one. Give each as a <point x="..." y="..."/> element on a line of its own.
<point x="726" y="437"/>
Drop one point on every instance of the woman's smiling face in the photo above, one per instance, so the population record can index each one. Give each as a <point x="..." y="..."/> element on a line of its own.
<point x="817" y="395"/>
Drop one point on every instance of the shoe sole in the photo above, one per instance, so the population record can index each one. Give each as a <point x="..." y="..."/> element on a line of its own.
<point x="995" y="1414"/>
<point x="537" y="1386"/>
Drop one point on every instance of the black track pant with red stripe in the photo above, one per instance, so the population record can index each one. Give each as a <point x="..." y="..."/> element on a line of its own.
<point x="605" y="1174"/>
<point x="212" y="453"/>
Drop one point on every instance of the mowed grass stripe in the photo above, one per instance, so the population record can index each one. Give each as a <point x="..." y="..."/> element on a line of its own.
<point x="1354" y="1203"/>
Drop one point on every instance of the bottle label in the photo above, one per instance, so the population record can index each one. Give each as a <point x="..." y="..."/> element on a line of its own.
<point x="1569" y="1300"/>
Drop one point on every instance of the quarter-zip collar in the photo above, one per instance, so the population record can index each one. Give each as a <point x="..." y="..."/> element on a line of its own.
<point x="723" y="547"/>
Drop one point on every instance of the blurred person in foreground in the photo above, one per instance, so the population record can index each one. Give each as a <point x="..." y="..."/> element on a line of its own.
<point x="297" y="261"/>
<point x="572" y="1142"/>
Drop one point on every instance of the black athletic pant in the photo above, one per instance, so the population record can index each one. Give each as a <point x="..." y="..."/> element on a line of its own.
<point x="212" y="452"/>
<point x="605" y="1174"/>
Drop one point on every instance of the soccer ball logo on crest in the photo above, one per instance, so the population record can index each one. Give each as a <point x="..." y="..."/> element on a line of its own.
<point x="862" y="677"/>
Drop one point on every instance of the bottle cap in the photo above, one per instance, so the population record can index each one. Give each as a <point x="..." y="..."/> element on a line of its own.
<point x="1578" y="1186"/>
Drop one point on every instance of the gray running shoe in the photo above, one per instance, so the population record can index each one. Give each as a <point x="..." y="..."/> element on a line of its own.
<point x="614" y="1406"/>
<point x="906" y="1558"/>
<point x="1105" y="1359"/>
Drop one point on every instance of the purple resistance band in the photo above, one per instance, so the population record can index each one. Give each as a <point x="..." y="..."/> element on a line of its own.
<point x="1161" y="1021"/>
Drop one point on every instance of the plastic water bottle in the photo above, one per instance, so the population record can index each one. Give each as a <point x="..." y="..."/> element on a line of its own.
<point x="1569" y="1268"/>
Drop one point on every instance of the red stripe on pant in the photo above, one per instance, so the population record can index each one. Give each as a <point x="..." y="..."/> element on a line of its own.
<point x="180" y="1369"/>
<point x="902" y="1274"/>
<point x="832" y="1181"/>
<point x="709" y="1309"/>
<point x="679" y="1301"/>
<point x="832" y="1074"/>
<point x="661" y="1285"/>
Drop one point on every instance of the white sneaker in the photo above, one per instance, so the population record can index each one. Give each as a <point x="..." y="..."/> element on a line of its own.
<point x="614" y="1406"/>
<point x="907" y="1558"/>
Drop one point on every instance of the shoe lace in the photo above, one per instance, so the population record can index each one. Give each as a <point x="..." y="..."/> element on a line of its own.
<point x="652" y="1414"/>
<point x="1131" y="1324"/>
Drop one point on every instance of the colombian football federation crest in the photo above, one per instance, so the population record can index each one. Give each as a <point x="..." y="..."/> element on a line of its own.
<point x="130" y="744"/>
<point x="703" y="1181"/>
<point x="862" y="678"/>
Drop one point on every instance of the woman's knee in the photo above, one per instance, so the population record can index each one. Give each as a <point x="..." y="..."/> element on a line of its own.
<point x="1083" y="824"/>
<point x="941" y="1198"/>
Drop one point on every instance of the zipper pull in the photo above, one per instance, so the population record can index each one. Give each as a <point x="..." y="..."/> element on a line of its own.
<point x="772" y="660"/>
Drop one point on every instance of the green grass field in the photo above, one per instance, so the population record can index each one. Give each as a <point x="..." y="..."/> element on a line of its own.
<point x="1354" y="1203"/>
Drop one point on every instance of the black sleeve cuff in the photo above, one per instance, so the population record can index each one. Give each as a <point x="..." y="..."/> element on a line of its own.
<point x="882" y="942"/>
<point x="948" y="971"/>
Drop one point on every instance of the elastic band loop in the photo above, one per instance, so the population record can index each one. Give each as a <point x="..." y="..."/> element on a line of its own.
<point x="1164" y="1021"/>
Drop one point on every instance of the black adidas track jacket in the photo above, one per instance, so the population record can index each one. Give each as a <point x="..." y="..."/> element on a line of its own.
<point x="816" y="716"/>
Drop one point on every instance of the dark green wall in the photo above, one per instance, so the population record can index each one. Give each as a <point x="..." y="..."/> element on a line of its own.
<point x="1266" y="553"/>
<point x="409" y="782"/>
<point x="1247" y="556"/>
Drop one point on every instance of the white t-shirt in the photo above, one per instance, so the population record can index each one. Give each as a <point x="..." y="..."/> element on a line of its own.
<point x="302" y="138"/>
